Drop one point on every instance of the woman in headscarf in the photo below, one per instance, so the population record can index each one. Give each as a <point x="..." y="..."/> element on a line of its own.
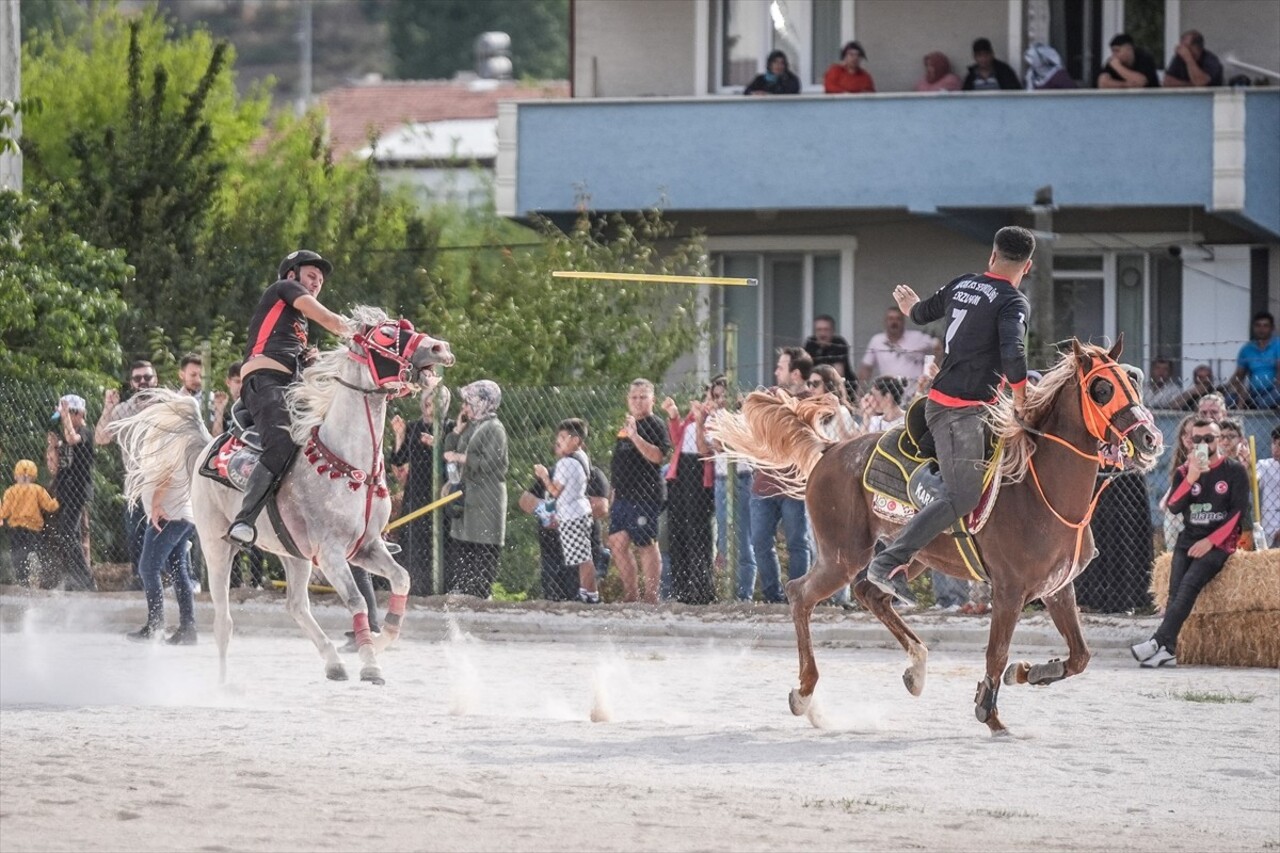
<point x="938" y="76"/>
<point x="1044" y="68"/>
<point x="776" y="80"/>
<point x="477" y="446"/>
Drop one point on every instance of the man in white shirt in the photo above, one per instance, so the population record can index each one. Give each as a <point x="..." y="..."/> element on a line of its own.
<point x="898" y="351"/>
<point x="1269" y="491"/>
<point x="1161" y="390"/>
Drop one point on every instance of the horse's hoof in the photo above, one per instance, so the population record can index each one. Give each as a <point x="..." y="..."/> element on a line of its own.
<point x="335" y="672"/>
<point x="799" y="704"/>
<point x="372" y="675"/>
<point x="1016" y="673"/>
<point x="915" y="686"/>
<point x="1001" y="732"/>
<point x="1044" y="674"/>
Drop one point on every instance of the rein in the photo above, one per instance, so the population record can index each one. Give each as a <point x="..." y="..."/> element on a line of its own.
<point x="389" y="393"/>
<point x="1098" y="423"/>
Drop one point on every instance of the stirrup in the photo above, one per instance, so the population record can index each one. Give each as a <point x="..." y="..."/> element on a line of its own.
<point x="238" y="541"/>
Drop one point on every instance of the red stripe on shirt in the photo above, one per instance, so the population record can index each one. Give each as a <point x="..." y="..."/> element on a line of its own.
<point x="264" y="331"/>
<point x="944" y="399"/>
<point x="1226" y="536"/>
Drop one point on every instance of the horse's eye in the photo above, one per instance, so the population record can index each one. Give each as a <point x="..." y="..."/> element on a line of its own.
<point x="1102" y="391"/>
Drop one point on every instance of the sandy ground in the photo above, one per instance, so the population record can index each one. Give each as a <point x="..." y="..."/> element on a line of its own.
<point x="481" y="740"/>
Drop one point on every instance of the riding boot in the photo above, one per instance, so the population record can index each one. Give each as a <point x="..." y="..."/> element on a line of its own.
<point x="242" y="532"/>
<point x="933" y="519"/>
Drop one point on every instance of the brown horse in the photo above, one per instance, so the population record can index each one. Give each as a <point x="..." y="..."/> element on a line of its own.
<point x="1035" y="541"/>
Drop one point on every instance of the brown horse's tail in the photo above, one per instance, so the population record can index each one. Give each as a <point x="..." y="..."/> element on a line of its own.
<point x="778" y="434"/>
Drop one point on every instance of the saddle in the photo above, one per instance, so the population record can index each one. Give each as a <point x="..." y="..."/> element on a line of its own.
<point x="232" y="459"/>
<point x="902" y="477"/>
<point x="236" y="452"/>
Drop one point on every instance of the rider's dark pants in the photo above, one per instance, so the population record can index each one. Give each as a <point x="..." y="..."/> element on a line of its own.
<point x="1186" y="578"/>
<point x="959" y="435"/>
<point x="263" y="392"/>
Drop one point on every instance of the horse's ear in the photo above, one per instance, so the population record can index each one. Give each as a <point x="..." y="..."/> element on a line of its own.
<point x="1114" y="354"/>
<point x="1078" y="353"/>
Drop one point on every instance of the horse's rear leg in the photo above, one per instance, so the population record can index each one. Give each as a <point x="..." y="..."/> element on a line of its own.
<point x="298" y="602"/>
<point x="218" y="556"/>
<point x="880" y="603"/>
<point x="378" y="560"/>
<point x="1066" y="618"/>
<point x="804" y="593"/>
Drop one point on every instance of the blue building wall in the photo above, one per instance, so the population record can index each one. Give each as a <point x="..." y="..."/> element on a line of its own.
<point x="918" y="152"/>
<point x="1262" y="160"/>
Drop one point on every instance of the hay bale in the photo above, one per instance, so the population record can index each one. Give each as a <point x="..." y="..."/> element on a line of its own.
<point x="1231" y="639"/>
<point x="1250" y="581"/>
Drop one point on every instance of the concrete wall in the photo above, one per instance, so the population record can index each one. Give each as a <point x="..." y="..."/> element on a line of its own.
<point x="1249" y="29"/>
<point x="922" y="254"/>
<point x="898" y="33"/>
<point x="635" y="48"/>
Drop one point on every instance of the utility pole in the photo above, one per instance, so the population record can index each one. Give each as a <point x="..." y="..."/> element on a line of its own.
<point x="1041" y="291"/>
<point x="11" y="90"/>
<point x="304" y="56"/>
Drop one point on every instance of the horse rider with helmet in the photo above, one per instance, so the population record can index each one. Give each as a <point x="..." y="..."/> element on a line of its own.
<point x="984" y="348"/>
<point x="274" y="361"/>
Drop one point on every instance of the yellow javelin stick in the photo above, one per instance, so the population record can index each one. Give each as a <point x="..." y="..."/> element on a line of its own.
<point x="405" y="519"/>
<point x="660" y="279"/>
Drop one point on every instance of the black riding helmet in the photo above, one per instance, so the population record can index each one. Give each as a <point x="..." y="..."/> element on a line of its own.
<point x="304" y="258"/>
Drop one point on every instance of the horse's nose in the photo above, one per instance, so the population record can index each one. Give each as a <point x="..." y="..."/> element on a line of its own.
<point x="441" y="350"/>
<point x="1149" y="442"/>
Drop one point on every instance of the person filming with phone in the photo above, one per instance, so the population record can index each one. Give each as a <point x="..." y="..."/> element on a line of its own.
<point x="1211" y="492"/>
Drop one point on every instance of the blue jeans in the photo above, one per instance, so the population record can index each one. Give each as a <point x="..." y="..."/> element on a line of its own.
<point x="158" y="547"/>
<point x="746" y="569"/>
<point x="766" y="512"/>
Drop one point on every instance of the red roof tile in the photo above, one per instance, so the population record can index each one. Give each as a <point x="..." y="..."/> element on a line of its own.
<point x="356" y="112"/>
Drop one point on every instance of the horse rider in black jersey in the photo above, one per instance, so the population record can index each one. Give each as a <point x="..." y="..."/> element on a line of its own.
<point x="984" y="347"/>
<point x="274" y="361"/>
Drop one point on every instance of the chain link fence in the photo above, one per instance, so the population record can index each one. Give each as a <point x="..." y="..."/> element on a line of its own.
<point x="702" y="527"/>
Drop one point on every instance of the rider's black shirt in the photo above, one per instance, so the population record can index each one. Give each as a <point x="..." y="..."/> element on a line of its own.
<point x="278" y="330"/>
<point x="984" y="339"/>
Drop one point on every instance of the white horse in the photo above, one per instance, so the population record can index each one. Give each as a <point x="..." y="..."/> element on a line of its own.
<point x="333" y="500"/>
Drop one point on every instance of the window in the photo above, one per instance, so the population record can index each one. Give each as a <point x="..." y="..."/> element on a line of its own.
<point x="810" y="32"/>
<point x="1099" y="295"/>
<point x="796" y="284"/>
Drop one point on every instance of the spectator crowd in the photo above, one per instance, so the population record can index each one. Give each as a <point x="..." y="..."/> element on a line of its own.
<point x="1127" y="66"/>
<point x="667" y="511"/>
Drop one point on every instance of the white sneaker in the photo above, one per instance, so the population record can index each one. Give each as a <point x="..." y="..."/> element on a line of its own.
<point x="1144" y="650"/>
<point x="1162" y="657"/>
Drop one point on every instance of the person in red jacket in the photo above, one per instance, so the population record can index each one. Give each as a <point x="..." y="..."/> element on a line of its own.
<point x="848" y="76"/>
<point x="1211" y="492"/>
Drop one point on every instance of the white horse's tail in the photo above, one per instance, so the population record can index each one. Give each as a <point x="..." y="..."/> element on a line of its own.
<point x="161" y="440"/>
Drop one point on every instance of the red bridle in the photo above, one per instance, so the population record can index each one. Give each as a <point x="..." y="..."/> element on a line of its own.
<point x="392" y="343"/>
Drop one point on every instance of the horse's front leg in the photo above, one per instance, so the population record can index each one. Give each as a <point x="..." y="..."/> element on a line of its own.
<point x="1006" y="608"/>
<point x="1066" y="618"/>
<point x="333" y="563"/>
<point x="801" y="611"/>
<point x="298" y="603"/>
<point x="376" y="559"/>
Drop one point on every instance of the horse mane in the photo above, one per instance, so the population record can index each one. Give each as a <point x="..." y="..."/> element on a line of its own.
<point x="778" y="434"/>
<point x="309" y="401"/>
<point x="1041" y="398"/>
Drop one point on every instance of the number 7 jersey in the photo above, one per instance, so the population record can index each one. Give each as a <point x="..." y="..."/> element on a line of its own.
<point x="985" y="340"/>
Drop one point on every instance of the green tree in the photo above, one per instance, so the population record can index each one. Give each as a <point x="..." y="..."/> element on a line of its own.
<point x="518" y="325"/>
<point x="46" y="16"/>
<point x="58" y="302"/>
<point x="434" y="40"/>
<point x="81" y="72"/>
<point x="294" y="196"/>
